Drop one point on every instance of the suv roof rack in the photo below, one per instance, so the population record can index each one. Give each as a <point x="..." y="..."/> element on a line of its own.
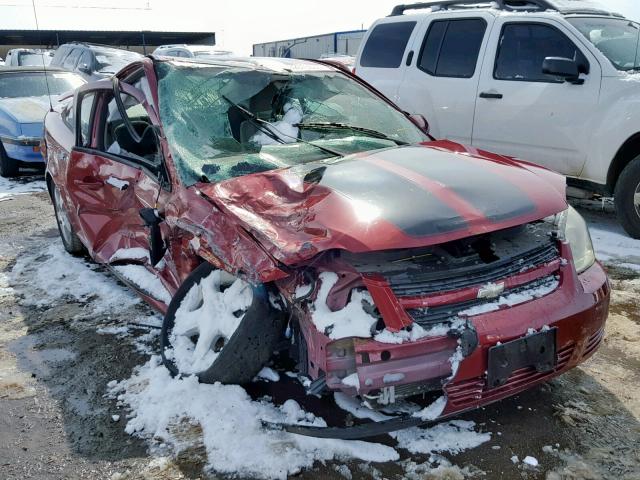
<point x="565" y="6"/>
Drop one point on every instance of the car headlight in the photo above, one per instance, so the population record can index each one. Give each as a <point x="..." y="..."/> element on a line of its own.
<point x="574" y="230"/>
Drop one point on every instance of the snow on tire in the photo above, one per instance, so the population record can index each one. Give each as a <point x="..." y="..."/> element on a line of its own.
<point x="219" y="327"/>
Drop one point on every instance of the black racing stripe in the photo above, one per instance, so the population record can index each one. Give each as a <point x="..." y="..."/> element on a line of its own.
<point x="414" y="210"/>
<point x="488" y="192"/>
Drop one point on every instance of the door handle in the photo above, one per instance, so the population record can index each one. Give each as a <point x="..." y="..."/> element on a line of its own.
<point x="118" y="183"/>
<point x="496" y="96"/>
<point x="90" y="183"/>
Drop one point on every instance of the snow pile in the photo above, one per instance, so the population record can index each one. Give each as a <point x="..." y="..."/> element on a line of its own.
<point x="12" y="187"/>
<point x="145" y="280"/>
<point x="452" y="437"/>
<point x="57" y="274"/>
<point x="351" y="321"/>
<point x="233" y="433"/>
<point x="531" y="461"/>
<point x="203" y="304"/>
<point x="513" y="299"/>
<point x="612" y="244"/>
<point x="283" y="129"/>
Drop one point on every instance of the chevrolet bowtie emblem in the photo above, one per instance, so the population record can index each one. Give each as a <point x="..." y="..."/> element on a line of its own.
<point x="491" y="290"/>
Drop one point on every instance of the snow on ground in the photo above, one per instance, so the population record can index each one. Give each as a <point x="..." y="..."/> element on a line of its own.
<point x="58" y="275"/>
<point x="230" y="421"/>
<point x="145" y="280"/>
<point x="451" y="437"/>
<point x="611" y="243"/>
<point x="19" y="186"/>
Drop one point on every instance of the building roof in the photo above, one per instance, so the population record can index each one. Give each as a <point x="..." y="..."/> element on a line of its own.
<point x="105" y="37"/>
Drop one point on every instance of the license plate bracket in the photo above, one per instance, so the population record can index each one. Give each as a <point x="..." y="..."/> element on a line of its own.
<point x="537" y="351"/>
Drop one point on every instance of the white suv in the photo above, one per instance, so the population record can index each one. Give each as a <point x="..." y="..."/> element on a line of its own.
<point x="555" y="82"/>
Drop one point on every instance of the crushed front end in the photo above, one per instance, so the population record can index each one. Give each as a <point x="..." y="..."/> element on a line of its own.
<point x="477" y="319"/>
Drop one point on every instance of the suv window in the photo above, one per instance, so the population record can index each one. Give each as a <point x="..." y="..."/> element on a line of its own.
<point x="386" y="45"/>
<point x="523" y="48"/>
<point x="86" y="109"/>
<point x="72" y="59"/>
<point x="86" y="59"/>
<point x="118" y="140"/>
<point x="451" y="47"/>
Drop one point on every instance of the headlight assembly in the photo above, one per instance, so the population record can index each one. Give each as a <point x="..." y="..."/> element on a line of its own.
<point x="573" y="229"/>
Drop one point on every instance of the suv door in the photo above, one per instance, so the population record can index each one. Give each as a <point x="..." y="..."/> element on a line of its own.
<point x="383" y="52"/>
<point x="111" y="176"/>
<point x="525" y="113"/>
<point x="441" y="79"/>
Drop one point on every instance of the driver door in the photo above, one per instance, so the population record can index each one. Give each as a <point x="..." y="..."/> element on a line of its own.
<point x="113" y="176"/>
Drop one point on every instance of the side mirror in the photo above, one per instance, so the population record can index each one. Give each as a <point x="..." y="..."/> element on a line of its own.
<point x="84" y="68"/>
<point x="566" y="68"/>
<point x="420" y="122"/>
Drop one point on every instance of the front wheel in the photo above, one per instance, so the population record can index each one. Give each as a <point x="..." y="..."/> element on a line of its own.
<point x="8" y="167"/>
<point x="219" y="328"/>
<point x="627" y="198"/>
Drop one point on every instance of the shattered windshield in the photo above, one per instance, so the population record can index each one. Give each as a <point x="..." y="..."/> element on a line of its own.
<point x="616" y="38"/>
<point x="223" y="122"/>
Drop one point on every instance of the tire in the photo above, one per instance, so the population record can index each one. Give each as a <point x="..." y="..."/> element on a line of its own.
<point x="627" y="198"/>
<point x="70" y="240"/>
<point x="8" y="167"/>
<point x="241" y="356"/>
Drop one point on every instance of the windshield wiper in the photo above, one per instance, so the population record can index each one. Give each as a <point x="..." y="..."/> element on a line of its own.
<point x="344" y="126"/>
<point x="270" y="130"/>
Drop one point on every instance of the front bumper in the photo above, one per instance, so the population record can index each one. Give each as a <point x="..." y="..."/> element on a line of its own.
<point x="577" y="309"/>
<point x="23" y="149"/>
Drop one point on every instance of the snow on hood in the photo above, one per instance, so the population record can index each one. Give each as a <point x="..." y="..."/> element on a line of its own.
<point x="394" y="198"/>
<point x="26" y="109"/>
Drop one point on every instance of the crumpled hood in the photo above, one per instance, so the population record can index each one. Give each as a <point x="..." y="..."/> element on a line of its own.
<point x="26" y="109"/>
<point x="401" y="197"/>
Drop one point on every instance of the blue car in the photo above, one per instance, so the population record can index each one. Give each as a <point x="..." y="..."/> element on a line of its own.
<point x="26" y="94"/>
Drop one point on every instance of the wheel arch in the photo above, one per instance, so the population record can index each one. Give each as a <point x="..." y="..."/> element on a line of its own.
<point x="626" y="153"/>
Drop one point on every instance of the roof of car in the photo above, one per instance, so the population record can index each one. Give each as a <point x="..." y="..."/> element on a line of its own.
<point x="35" y="68"/>
<point x="565" y="7"/>
<point x="191" y="47"/>
<point x="102" y="48"/>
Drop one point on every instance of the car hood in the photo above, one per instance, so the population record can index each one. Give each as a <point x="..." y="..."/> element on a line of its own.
<point x="401" y="197"/>
<point x="26" y="109"/>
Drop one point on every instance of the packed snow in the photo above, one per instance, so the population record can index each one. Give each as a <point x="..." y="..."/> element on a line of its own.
<point x="513" y="299"/>
<point x="351" y="321"/>
<point x="10" y="187"/>
<point x="206" y="301"/>
<point x="612" y="244"/>
<point x="417" y="332"/>
<point x="145" y="280"/>
<point x="135" y="253"/>
<point x="451" y="437"/>
<point x="531" y="461"/>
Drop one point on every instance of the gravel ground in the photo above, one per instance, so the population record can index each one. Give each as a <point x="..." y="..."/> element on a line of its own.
<point x="57" y="358"/>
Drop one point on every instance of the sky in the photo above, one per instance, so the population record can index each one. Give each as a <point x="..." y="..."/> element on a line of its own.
<point x="238" y="24"/>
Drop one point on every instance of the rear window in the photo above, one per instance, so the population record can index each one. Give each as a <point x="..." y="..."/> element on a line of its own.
<point x="386" y="45"/>
<point x="451" y="47"/>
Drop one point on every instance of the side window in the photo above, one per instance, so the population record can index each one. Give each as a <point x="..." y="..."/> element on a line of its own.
<point x="86" y="110"/>
<point x="119" y="141"/>
<point x="67" y="114"/>
<point x="86" y="59"/>
<point x="386" y="45"/>
<point x="72" y="59"/>
<point x="451" y="47"/>
<point x="523" y="48"/>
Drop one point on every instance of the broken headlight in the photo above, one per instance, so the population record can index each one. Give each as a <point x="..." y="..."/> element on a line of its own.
<point x="573" y="228"/>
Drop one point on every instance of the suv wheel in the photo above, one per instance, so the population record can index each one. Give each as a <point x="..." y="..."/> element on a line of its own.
<point x="627" y="198"/>
<point x="8" y="167"/>
<point x="219" y="328"/>
<point x="70" y="240"/>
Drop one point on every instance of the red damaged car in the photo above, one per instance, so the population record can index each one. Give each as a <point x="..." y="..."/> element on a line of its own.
<point x="258" y="200"/>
